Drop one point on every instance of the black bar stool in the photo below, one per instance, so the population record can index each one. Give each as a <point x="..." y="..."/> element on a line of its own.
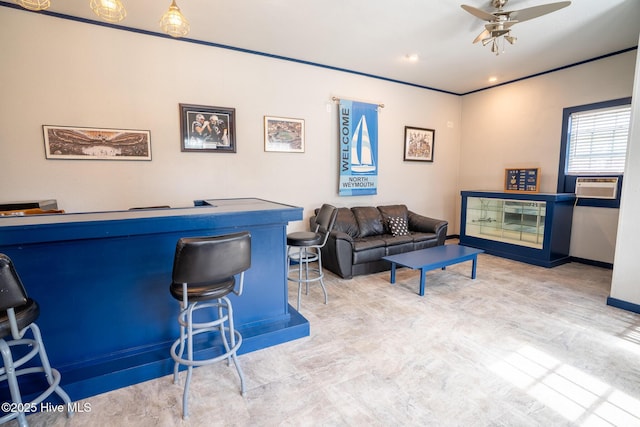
<point x="309" y="245"/>
<point x="17" y="316"/>
<point x="204" y="271"/>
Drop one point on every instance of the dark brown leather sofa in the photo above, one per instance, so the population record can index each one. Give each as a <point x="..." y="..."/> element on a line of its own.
<point x="362" y="235"/>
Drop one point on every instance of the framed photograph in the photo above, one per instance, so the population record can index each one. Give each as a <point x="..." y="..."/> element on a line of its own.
<point x="522" y="180"/>
<point x="65" y="142"/>
<point x="283" y="134"/>
<point x="207" y="129"/>
<point x="418" y="144"/>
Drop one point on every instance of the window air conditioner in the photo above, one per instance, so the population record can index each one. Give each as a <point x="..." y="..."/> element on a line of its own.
<point x="596" y="188"/>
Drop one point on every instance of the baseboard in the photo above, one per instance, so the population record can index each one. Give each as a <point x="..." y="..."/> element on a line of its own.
<point x="624" y="305"/>
<point x="592" y="262"/>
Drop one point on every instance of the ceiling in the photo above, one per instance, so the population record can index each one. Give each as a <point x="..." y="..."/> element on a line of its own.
<point x="374" y="37"/>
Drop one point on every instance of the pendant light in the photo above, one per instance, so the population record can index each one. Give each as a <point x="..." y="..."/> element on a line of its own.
<point x="109" y="10"/>
<point x="34" y="4"/>
<point x="173" y="22"/>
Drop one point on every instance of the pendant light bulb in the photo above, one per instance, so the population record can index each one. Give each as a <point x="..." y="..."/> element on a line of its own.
<point x="34" y="4"/>
<point x="109" y="10"/>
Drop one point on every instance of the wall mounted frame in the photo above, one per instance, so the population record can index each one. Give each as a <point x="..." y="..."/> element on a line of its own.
<point x="522" y="180"/>
<point x="283" y="134"/>
<point x="80" y="143"/>
<point x="418" y="144"/>
<point x="207" y="129"/>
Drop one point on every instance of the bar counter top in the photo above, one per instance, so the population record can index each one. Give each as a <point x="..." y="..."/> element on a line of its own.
<point x="219" y="211"/>
<point x="205" y="207"/>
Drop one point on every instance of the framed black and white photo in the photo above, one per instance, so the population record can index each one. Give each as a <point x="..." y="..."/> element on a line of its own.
<point x="418" y="144"/>
<point x="207" y="129"/>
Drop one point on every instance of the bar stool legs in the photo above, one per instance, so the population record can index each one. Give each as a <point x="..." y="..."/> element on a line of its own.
<point x="18" y="314"/>
<point x="12" y="370"/>
<point x="231" y="340"/>
<point x="304" y="257"/>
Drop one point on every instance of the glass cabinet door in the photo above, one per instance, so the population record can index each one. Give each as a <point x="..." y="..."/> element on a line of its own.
<point x="511" y="221"/>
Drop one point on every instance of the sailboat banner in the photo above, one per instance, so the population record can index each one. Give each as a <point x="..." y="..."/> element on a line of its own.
<point x="358" y="129"/>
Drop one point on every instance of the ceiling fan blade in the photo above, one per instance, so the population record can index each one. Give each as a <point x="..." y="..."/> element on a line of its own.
<point x="479" y="13"/>
<point x="535" y="11"/>
<point x="482" y="35"/>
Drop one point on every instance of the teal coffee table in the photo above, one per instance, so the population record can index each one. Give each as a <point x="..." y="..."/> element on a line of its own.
<point x="432" y="258"/>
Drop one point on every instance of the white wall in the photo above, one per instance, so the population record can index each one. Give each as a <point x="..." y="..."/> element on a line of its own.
<point x="625" y="285"/>
<point x="59" y="72"/>
<point x="519" y="125"/>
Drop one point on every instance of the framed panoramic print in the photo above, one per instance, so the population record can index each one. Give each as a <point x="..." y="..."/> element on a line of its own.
<point x="207" y="129"/>
<point x="283" y="134"/>
<point x="418" y="144"/>
<point x="66" y="142"/>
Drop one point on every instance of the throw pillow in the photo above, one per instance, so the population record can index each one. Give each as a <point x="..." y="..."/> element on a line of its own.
<point x="398" y="226"/>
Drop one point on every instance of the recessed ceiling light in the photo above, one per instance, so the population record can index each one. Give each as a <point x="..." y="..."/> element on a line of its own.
<point x="412" y="57"/>
<point x="493" y="79"/>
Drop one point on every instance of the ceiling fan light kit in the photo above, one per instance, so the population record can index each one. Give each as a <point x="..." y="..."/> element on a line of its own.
<point x="498" y="28"/>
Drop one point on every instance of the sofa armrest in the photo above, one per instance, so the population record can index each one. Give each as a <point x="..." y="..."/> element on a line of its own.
<point x="425" y="224"/>
<point x="339" y="235"/>
<point x="337" y="254"/>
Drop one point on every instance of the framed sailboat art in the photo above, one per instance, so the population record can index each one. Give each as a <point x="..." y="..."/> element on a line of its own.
<point x="418" y="144"/>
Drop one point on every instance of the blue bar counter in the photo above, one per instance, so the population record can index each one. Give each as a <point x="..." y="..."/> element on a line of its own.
<point x="102" y="282"/>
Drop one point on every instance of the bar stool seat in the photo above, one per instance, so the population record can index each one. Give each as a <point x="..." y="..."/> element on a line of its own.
<point x="309" y="245"/>
<point x="204" y="271"/>
<point x="24" y="316"/>
<point x="197" y="292"/>
<point x="18" y="314"/>
<point x="304" y="238"/>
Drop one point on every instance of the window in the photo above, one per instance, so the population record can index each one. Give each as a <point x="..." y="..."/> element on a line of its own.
<point x="594" y="143"/>
<point x="598" y="141"/>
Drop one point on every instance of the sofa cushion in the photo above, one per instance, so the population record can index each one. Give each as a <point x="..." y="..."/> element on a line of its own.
<point x="390" y="211"/>
<point x="398" y="226"/>
<point x="369" y="221"/>
<point x="393" y="210"/>
<point x="366" y="244"/>
<point x="369" y="255"/>
<point x="421" y="237"/>
<point x="346" y="222"/>
<point x="400" y="248"/>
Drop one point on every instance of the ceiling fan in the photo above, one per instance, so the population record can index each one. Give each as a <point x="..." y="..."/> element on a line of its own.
<point x="500" y="22"/>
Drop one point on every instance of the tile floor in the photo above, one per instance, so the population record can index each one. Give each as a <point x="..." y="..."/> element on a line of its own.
<point x="519" y="346"/>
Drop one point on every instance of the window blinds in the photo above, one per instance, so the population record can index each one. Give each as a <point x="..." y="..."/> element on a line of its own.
<point x="598" y="141"/>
